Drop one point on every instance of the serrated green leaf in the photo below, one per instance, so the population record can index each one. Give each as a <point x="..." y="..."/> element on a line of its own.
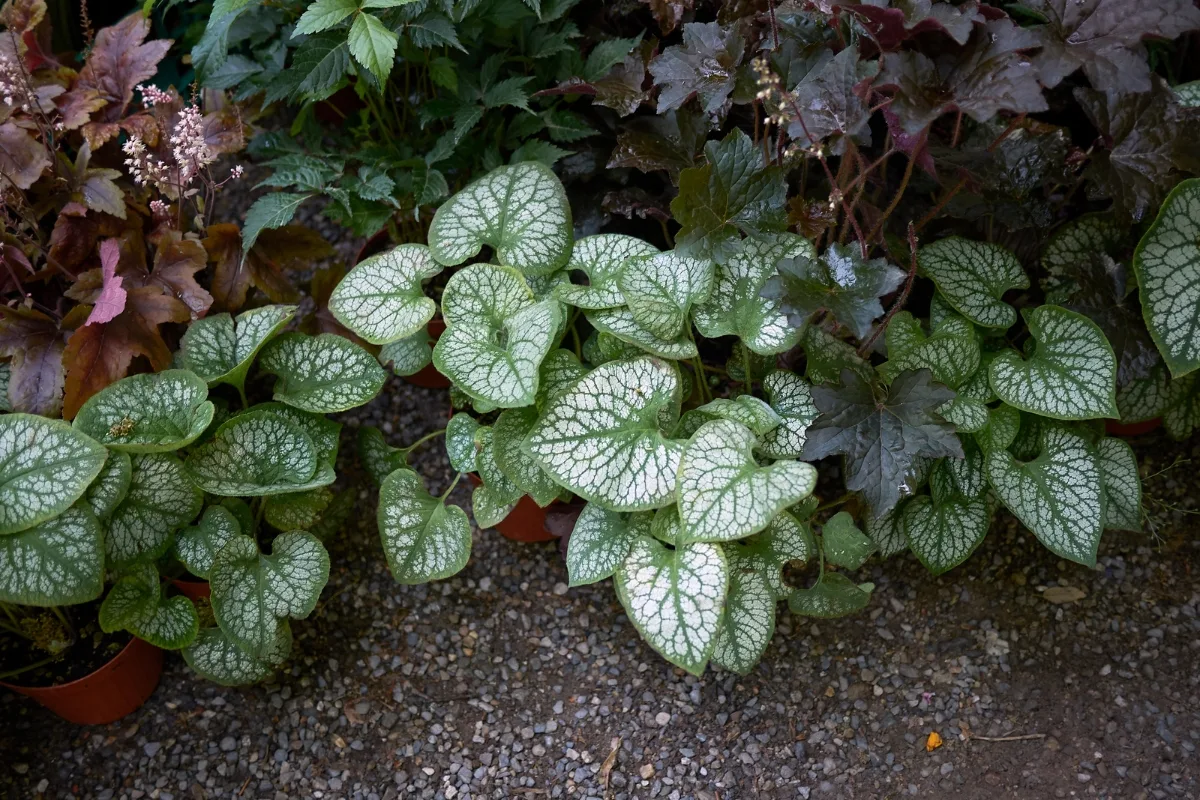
<point x="1167" y="263"/>
<point x="323" y="15"/>
<point x="1058" y="495"/>
<point x="521" y="211"/>
<point x="320" y="63"/>
<point x="1122" y="485"/>
<point x="257" y="454"/>
<point x="322" y="374"/>
<point x="148" y="413"/>
<point x="45" y="466"/>
<point x="373" y="45"/>
<point x="508" y="439"/>
<point x="57" y="562"/>
<point x="600" y="542"/>
<point x="723" y="493"/>
<point x="220" y="348"/>
<point x="110" y="486"/>
<point x="661" y="289"/>
<point x="620" y="323"/>
<point x="135" y="604"/>
<point x="951" y="352"/>
<point x="460" y="443"/>
<point x="791" y="399"/>
<point x="1071" y="374"/>
<point x="675" y="598"/>
<point x="602" y="258"/>
<point x="216" y="657"/>
<point x="496" y="335"/>
<point x="383" y="299"/>
<point x="834" y="595"/>
<point x="423" y="538"/>
<point x="973" y="277"/>
<point x="737" y="306"/>
<point x="603" y="439"/>
<point x="252" y="592"/>
<point x="197" y="545"/>
<point x="269" y="211"/>
<point x="160" y="500"/>
<point x="844" y="544"/>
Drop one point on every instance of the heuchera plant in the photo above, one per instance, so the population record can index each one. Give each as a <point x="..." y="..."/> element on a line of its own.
<point x="158" y="474"/>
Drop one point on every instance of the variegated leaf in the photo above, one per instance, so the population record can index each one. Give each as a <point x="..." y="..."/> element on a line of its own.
<point x="378" y="457"/>
<point x="951" y="352"/>
<point x="492" y="501"/>
<point x="1073" y="246"/>
<point x="826" y="356"/>
<point x="148" y="413"/>
<point x="423" y="538"/>
<point x="520" y="211"/>
<point x="620" y="322"/>
<point x="748" y="620"/>
<point x="325" y="433"/>
<point x="603" y="439"/>
<point x="1145" y="399"/>
<point x="601" y="258"/>
<point x="560" y="370"/>
<point x="256" y="454"/>
<point x="737" y="307"/>
<point x="745" y="409"/>
<point x="58" y="562"/>
<point x="220" y="348"/>
<point x="887" y="532"/>
<point x="496" y="335"/>
<point x="1004" y="422"/>
<point x="215" y="657"/>
<point x="791" y="398"/>
<point x="666" y="527"/>
<point x="1167" y="262"/>
<point x="973" y="277"/>
<point x="45" y="466"/>
<point x="601" y="541"/>
<point x="1181" y="415"/>
<point x="297" y="511"/>
<point x="944" y="527"/>
<point x="135" y="604"/>
<point x="160" y="500"/>
<point x="675" y="598"/>
<point x="196" y="546"/>
<point x="1058" y="495"/>
<point x="724" y="494"/>
<point x="409" y="355"/>
<point x="660" y="291"/>
<point x="508" y="440"/>
<point x="383" y="298"/>
<point x="1122" y="485"/>
<point x="322" y="374"/>
<point x="111" y="485"/>
<point x="252" y="592"/>
<point x="1071" y="374"/>
<point x="460" y="443"/>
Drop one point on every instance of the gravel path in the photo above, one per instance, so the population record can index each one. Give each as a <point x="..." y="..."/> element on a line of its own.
<point x="502" y="682"/>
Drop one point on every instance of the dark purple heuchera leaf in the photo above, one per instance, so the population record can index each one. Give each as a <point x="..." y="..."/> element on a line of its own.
<point x="990" y="74"/>
<point x="1147" y="141"/>
<point x="881" y="438"/>
<point x="671" y="142"/>
<point x="705" y="65"/>
<point x="841" y="281"/>
<point x="1104" y="39"/>
<point x="668" y="13"/>
<point x="1103" y="295"/>
<point x="735" y="191"/>
<point x="891" y="26"/>
<point x="621" y="89"/>
<point x="805" y="45"/>
<point x="913" y="145"/>
<point x="829" y="105"/>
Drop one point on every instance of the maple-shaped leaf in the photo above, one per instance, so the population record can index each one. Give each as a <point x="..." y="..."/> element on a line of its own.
<point x="1147" y="141"/>
<point x="291" y="247"/>
<point x="99" y="355"/>
<point x="1104" y="39"/>
<point x="668" y="13"/>
<point x="881" y="437"/>
<point x="621" y="89"/>
<point x="111" y="300"/>
<point x="990" y="74"/>
<point x="34" y="344"/>
<point x="840" y="281"/>
<point x="828" y="104"/>
<point x="119" y="60"/>
<point x="176" y="262"/>
<point x="904" y="19"/>
<point x="704" y="66"/>
<point x="22" y="157"/>
<point x="1104" y="296"/>
<point x="735" y="191"/>
<point x="672" y="141"/>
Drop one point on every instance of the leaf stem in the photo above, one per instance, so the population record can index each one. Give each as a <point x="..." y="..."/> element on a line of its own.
<point x="450" y="488"/>
<point x="242" y="393"/>
<point x="865" y="347"/>
<point x="408" y="450"/>
<point x="14" y="672"/>
<point x="887" y="212"/>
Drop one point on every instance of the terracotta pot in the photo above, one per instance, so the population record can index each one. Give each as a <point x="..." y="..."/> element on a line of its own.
<point x="525" y="523"/>
<point x="115" y="690"/>
<point x="1114" y="428"/>
<point x="427" y="377"/>
<point x="193" y="589"/>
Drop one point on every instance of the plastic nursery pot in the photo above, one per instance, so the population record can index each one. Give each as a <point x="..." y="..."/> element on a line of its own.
<point x="525" y="523"/>
<point x="193" y="589"/>
<point x="113" y="691"/>
<point x="427" y="377"/>
<point x="1115" y="428"/>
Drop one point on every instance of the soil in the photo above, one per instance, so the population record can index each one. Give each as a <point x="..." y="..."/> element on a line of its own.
<point x="92" y="649"/>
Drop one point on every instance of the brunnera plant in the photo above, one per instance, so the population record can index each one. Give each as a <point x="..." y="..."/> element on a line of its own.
<point x="161" y="475"/>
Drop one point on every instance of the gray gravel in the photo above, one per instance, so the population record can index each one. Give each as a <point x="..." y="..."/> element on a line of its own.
<point x="502" y="682"/>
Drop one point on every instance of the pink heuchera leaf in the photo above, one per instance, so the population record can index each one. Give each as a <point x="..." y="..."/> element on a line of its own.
<point x="111" y="301"/>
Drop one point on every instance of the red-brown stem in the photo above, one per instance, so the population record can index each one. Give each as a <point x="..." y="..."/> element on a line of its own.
<point x="1012" y="126"/>
<point x="887" y="212"/>
<point x="946" y="198"/>
<point x="957" y="129"/>
<point x="865" y="348"/>
<point x="774" y="24"/>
